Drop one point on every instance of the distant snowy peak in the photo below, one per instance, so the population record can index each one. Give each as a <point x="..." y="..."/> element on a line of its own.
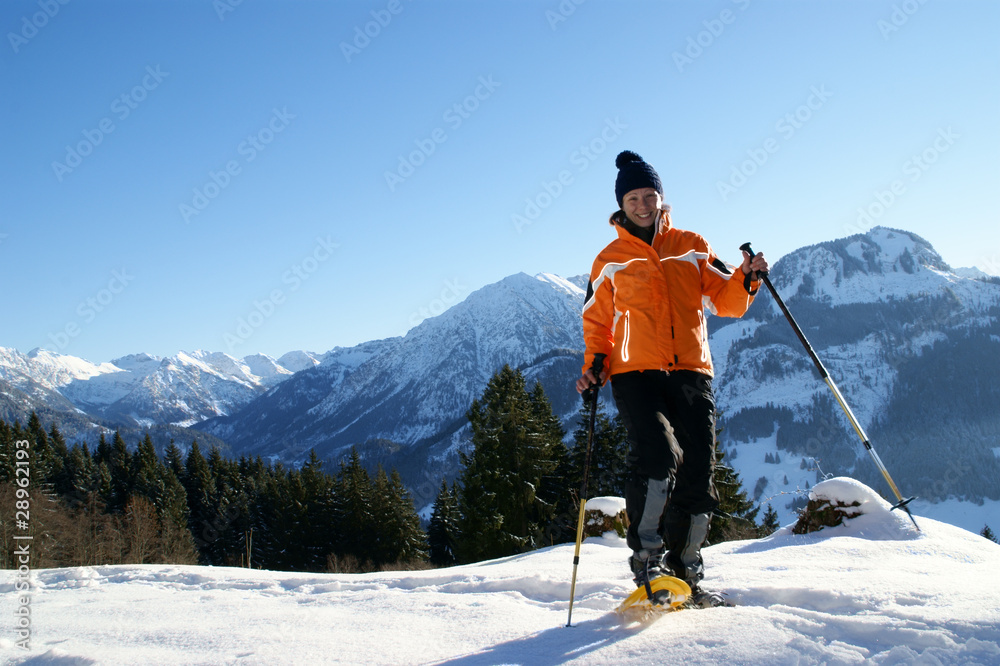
<point x="295" y="361"/>
<point x="973" y="273"/>
<point x="522" y="291"/>
<point x="50" y="369"/>
<point x="267" y="369"/>
<point x="566" y="285"/>
<point x="883" y="263"/>
<point x="138" y="364"/>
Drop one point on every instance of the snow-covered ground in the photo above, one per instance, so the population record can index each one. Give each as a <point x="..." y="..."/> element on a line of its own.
<point x="870" y="591"/>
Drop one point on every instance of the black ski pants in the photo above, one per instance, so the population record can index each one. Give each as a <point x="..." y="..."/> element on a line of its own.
<point x="670" y="419"/>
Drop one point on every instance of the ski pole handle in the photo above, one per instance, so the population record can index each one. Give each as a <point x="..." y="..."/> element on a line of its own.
<point x="749" y="250"/>
<point x="596" y="368"/>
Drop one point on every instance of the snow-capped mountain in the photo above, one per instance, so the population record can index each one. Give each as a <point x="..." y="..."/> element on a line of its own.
<point x="407" y="389"/>
<point x="139" y="389"/>
<point x="914" y="347"/>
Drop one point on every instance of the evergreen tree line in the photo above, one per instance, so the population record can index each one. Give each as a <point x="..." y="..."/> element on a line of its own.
<point x="113" y="506"/>
<point x="517" y="490"/>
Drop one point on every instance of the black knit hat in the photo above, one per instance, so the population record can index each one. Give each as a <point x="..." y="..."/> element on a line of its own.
<point x="634" y="173"/>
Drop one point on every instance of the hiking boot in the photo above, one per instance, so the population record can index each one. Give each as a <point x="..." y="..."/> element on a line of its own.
<point x="701" y="598"/>
<point x="647" y="565"/>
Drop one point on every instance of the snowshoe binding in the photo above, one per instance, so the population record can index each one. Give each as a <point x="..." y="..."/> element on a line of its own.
<point x="656" y="589"/>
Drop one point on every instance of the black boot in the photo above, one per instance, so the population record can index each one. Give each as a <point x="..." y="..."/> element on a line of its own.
<point x="647" y="565"/>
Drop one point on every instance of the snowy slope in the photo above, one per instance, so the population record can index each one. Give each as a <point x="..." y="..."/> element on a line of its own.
<point x="870" y="591"/>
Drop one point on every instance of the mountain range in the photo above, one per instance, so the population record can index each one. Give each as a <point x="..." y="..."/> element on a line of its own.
<point x="912" y="344"/>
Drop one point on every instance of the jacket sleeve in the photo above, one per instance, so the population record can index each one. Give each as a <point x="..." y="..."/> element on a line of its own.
<point x="598" y="316"/>
<point x="727" y="291"/>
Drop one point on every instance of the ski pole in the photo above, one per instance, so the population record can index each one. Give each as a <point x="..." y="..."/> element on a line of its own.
<point x="589" y="398"/>
<point x="900" y="502"/>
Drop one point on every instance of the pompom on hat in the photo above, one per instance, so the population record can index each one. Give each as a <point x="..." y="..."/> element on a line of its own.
<point x="633" y="173"/>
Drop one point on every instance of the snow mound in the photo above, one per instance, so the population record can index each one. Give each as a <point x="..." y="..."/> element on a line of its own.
<point x="609" y="506"/>
<point x="868" y="516"/>
<point x="848" y="491"/>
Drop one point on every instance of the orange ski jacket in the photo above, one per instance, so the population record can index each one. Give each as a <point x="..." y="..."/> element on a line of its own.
<point x="645" y="303"/>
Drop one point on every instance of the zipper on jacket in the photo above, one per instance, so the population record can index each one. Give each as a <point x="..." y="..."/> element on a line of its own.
<point x="625" y="336"/>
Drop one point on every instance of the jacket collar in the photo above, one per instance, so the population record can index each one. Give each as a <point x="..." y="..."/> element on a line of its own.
<point x="618" y="218"/>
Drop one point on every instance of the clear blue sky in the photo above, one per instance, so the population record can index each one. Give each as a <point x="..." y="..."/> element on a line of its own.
<point x="172" y="168"/>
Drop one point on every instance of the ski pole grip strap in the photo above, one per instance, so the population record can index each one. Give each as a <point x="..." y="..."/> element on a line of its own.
<point x="749" y="250"/>
<point x="596" y="367"/>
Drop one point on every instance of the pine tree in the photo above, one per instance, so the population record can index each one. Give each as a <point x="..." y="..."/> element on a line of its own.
<point x="769" y="525"/>
<point x="442" y="533"/>
<point x="736" y="515"/>
<point x="395" y="535"/>
<point x="174" y="460"/>
<point x="353" y="510"/>
<point x="147" y="473"/>
<point x="8" y="453"/>
<point x="46" y="463"/>
<point x="62" y="481"/>
<point x="987" y="533"/>
<point x="315" y="521"/>
<point x="81" y="473"/>
<point x="555" y="499"/>
<point x="119" y="468"/>
<point x="504" y="501"/>
<point x="270" y="505"/>
<point x="201" y="493"/>
<point x="608" y="454"/>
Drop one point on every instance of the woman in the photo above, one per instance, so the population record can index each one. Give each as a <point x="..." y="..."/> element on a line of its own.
<point x="644" y="328"/>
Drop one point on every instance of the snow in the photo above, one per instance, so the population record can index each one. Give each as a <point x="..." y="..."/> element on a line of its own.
<point x="609" y="506"/>
<point x="298" y="360"/>
<point x="872" y="590"/>
<point x="848" y="491"/>
<point x="562" y="283"/>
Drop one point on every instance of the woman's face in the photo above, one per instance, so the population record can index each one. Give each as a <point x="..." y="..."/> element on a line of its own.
<point x="641" y="205"/>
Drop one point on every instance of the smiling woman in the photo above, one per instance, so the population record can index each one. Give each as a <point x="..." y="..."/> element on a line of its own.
<point x="645" y="331"/>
